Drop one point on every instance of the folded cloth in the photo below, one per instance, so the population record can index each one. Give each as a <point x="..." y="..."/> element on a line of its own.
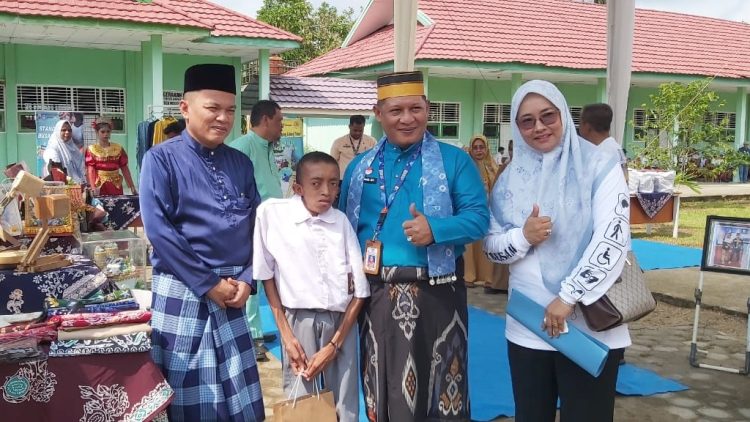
<point x="6" y="320"/>
<point x="85" y="320"/>
<point x="46" y="330"/>
<point x="88" y="284"/>
<point x="99" y="297"/>
<point x="18" y="350"/>
<point x="117" y="306"/>
<point x="122" y="343"/>
<point x="103" y="332"/>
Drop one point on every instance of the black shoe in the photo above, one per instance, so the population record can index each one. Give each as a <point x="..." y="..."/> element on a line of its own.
<point x="269" y="338"/>
<point x="260" y="347"/>
<point x="492" y="291"/>
<point x="261" y="356"/>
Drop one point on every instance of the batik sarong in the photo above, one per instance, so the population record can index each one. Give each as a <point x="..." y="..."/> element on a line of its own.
<point x="413" y="345"/>
<point x="206" y="354"/>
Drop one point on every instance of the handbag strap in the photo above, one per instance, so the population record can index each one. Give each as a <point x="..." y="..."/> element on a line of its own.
<point x="295" y="387"/>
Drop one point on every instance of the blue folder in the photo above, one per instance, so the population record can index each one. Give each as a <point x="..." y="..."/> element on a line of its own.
<point x="586" y="351"/>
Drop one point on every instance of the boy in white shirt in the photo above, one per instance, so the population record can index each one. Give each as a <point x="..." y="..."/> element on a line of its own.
<point x="309" y="258"/>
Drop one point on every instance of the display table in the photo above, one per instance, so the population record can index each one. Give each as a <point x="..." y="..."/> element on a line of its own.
<point x="116" y="387"/>
<point x="25" y="292"/>
<point x="123" y="211"/>
<point x="669" y="213"/>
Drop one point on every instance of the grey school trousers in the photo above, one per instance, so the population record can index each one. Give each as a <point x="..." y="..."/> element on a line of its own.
<point x="314" y="329"/>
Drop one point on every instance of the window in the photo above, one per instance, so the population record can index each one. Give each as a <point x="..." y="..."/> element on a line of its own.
<point x="575" y="113"/>
<point x="91" y="102"/>
<point x="720" y="117"/>
<point x="640" y="119"/>
<point x="444" y="119"/>
<point x="496" y="117"/>
<point x="2" y="106"/>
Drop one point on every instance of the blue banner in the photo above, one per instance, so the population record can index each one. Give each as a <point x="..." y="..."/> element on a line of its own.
<point x="45" y="125"/>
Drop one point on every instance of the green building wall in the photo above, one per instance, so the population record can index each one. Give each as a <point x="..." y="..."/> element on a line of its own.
<point x="44" y="65"/>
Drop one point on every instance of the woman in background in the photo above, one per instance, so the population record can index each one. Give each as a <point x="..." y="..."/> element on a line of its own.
<point x="477" y="268"/>
<point x="62" y="152"/>
<point x="105" y="160"/>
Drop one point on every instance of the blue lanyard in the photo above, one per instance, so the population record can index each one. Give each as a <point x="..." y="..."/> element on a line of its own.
<point x="387" y="202"/>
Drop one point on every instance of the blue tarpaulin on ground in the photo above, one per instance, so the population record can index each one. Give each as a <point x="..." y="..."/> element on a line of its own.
<point x="489" y="374"/>
<point x="660" y="256"/>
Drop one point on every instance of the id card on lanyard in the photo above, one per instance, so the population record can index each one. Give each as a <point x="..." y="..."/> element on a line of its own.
<point x="374" y="247"/>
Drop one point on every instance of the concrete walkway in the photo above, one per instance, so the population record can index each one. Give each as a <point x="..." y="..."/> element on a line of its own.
<point x="712" y="190"/>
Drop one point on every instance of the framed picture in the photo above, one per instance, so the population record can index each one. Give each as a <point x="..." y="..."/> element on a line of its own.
<point x="726" y="246"/>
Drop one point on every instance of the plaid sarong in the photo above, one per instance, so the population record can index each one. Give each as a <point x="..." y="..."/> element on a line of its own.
<point x="206" y="354"/>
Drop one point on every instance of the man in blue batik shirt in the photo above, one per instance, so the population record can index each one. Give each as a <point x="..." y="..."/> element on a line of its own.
<point x="198" y="200"/>
<point x="414" y="203"/>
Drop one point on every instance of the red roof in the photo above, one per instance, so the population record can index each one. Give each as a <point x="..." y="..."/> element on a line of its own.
<point x="186" y="13"/>
<point x="554" y="33"/>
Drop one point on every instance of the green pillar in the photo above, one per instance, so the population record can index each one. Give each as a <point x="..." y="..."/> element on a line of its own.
<point x="11" y="110"/>
<point x="153" y="75"/>
<point x="477" y="125"/>
<point x="134" y="110"/>
<point x="740" y="128"/>
<point x="601" y="90"/>
<point x="516" y="80"/>
<point x="237" y="128"/>
<point x="264" y="75"/>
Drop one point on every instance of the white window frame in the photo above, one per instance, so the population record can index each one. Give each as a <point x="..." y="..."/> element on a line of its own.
<point x="107" y="101"/>
<point x="716" y="117"/>
<point x="438" y="119"/>
<point x="575" y="113"/>
<point x="498" y="115"/>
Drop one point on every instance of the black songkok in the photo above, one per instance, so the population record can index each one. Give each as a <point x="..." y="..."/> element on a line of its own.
<point x="218" y="77"/>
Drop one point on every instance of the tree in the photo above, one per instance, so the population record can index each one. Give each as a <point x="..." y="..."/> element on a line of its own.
<point x="322" y="30"/>
<point x="680" y="132"/>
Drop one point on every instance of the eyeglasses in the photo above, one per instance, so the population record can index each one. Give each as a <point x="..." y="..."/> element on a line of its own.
<point x="478" y="146"/>
<point x="547" y="118"/>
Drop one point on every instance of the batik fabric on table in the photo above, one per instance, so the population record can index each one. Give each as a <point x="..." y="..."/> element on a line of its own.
<point x="26" y="292"/>
<point x="114" y="387"/>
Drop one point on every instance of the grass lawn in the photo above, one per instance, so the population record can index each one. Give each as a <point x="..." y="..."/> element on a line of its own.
<point x="693" y="221"/>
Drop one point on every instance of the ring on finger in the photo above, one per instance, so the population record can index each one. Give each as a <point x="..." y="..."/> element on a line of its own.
<point x="548" y="232"/>
<point x="409" y="238"/>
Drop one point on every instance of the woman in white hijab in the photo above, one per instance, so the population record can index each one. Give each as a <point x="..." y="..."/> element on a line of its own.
<point x="62" y="149"/>
<point x="560" y="218"/>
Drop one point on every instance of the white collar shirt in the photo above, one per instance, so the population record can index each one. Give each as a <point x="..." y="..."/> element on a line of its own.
<point x="315" y="261"/>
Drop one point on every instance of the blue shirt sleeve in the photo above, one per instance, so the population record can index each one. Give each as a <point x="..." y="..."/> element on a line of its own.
<point x="157" y="207"/>
<point x="471" y="216"/>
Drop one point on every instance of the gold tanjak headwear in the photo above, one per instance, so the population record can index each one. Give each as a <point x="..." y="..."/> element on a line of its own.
<point x="400" y="84"/>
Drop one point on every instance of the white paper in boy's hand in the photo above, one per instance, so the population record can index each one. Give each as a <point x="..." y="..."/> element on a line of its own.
<point x="564" y="329"/>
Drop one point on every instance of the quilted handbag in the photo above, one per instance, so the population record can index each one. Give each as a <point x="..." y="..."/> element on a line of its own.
<point x="629" y="299"/>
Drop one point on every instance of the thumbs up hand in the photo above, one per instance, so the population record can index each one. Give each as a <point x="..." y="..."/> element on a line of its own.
<point x="537" y="229"/>
<point x="417" y="230"/>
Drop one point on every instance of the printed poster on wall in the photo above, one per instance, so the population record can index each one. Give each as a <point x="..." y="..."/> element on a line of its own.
<point x="288" y="151"/>
<point x="45" y="125"/>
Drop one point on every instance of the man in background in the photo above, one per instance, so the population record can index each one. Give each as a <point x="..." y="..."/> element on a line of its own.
<point x="347" y="147"/>
<point x="745" y="168"/>
<point x="266" y="126"/>
<point x="596" y="120"/>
